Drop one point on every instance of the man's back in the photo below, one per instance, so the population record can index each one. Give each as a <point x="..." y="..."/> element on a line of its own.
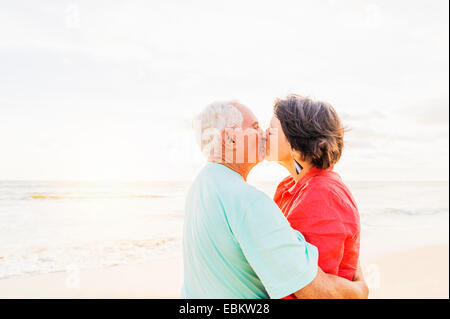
<point x="237" y="244"/>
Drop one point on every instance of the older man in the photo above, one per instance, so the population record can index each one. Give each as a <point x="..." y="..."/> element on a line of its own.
<point x="236" y="241"/>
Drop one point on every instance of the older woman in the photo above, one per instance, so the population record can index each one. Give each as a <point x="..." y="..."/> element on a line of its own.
<point x="308" y="136"/>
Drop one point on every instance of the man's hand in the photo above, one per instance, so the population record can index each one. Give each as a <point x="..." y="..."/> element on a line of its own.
<point x="326" y="286"/>
<point x="359" y="278"/>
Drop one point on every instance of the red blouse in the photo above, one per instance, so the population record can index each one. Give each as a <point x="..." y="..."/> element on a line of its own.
<point x="322" y="208"/>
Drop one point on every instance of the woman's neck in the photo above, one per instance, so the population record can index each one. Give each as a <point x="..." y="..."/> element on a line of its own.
<point x="289" y="165"/>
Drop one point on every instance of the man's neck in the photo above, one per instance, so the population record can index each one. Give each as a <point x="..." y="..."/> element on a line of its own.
<point x="242" y="169"/>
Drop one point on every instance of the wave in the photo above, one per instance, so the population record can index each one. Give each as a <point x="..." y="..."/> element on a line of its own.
<point x="414" y="212"/>
<point x="401" y="211"/>
<point x="45" y="197"/>
<point x="87" y="255"/>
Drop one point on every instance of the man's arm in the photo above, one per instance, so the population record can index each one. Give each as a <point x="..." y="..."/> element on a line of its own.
<point x="326" y="286"/>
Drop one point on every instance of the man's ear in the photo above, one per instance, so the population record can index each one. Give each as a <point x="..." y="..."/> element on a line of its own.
<point x="229" y="138"/>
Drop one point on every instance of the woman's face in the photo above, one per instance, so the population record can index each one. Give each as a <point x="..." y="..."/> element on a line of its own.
<point x="278" y="148"/>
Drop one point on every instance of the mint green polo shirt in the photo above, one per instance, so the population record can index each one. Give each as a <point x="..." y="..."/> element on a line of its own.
<point x="238" y="244"/>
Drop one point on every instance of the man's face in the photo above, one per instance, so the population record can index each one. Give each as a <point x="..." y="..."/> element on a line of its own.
<point x="250" y="140"/>
<point x="277" y="145"/>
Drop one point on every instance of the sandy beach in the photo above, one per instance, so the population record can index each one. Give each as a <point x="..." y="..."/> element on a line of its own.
<point x="418" y="273"/>
<point x="156" y="279"/>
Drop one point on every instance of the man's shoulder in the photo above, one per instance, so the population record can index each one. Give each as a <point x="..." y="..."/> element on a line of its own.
<point x="228" y="181"/>
<point x="244" y="193"/>
<point x="228" y="187"/>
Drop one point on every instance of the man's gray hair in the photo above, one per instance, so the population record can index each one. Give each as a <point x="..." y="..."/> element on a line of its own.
<point x="215" y="118"/>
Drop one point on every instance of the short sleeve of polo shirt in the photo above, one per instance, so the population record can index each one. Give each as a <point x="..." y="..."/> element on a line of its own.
<point x="279" y="255"/>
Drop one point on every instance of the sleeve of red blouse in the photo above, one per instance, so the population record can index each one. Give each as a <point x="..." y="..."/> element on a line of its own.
<point x="318" y="219"/>
<point x="349" y="262"/>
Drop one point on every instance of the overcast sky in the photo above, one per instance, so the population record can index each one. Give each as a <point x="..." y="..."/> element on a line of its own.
<point x="107" y="89"/>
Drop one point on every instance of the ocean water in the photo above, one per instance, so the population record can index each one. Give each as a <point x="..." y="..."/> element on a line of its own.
<point x="58" y="226"/>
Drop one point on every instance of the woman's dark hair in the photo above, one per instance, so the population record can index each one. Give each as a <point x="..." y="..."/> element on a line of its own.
<point x="311" y="127"/>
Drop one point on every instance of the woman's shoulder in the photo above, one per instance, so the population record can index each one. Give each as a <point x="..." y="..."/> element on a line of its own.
<point x="328" y="182"/>
<point x="330" y="188"/>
